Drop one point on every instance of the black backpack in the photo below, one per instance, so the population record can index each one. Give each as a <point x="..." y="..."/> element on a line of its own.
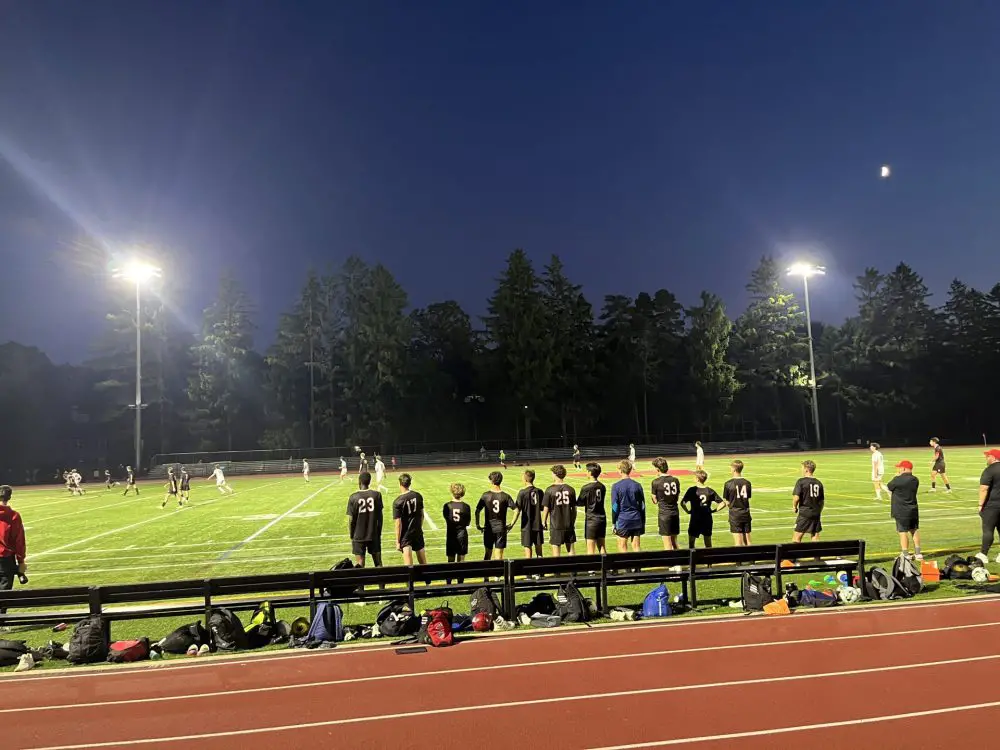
<point x="227" y="630"/>
<point x="881" y="585"/>
<point x="956" y="568"/>
<point x="11" y="652"/>
<point x="755" y="592"/>
<point x="179" y="641"/>
<point x="540" y="604"/>
<point x="908" y="575"/>
<point x="89" y="642"/>
<point x="397" y="620"/>
<point x="484" y="600"/>
<point x="570" y="604"/>
<point x="341" y="591"/>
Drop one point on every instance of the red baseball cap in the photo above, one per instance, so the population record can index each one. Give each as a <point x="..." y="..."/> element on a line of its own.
<point x="905" y="465"/>
<point x="995" y="453"/>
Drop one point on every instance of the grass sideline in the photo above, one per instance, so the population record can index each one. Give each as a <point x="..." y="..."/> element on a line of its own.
<point x="279" y="523"/>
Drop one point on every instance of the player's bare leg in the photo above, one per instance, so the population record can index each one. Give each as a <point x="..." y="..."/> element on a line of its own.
<point x="422" y="557"/>
<point x="878" y="488"/>
<point x="407" y="556"/>
<point x="636" y="543"/>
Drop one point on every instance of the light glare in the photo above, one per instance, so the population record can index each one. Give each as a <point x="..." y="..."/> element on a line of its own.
<point x="805" y="270"/>
<point x="138" y="272"/>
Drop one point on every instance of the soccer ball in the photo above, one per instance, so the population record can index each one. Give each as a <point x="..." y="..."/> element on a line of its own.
<point x="980" y="575"/>
<point x="849" y="594"/>
<point x="885" y="172"/>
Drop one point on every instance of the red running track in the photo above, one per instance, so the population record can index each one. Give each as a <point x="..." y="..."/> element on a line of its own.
<point x="903" y="676"/>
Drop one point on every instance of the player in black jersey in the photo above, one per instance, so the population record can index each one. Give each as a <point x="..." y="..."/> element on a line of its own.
<point x="172" y="488"/>
<point x="559" y="512"/>
<point x="666" y="494"/>
<point x="737" y="493"/>
<point x="130" y="481"/>
<point x="457" y="518"/>
<point x="591" y="498"/>
<point x="185" y="486"/>
<point x="529" y="503"/>
<point x="495" y="503"/>
<point x="408" y="517"/>
<point x="807" y="501"/>
<point x="700" y="502"/>
<point x="108" y="481"/>
<point x="576" y="456"/>
<point x="938" y="467"/>
<point x="364" y="519"/>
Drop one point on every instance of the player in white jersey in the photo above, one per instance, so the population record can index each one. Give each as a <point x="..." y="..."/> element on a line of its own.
<point x="305" y="470"/>
<point x="343" y="469"/>
<point x="76" y="481"/>
<point x="379" y="474"/>
<point x="878" y="469"/>
<point x="220" y="481"/>
<point x="631" y="454"/>
<point x="699" y="456"/>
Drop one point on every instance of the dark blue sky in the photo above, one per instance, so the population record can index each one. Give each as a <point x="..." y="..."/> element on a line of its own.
<point x="649" y="143"/>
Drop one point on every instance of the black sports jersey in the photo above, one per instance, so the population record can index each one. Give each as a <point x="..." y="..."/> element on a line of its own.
<point x="365" y="511"/>
<point x="701" y="502"/>
<point x="666" y="492"/>
<point x="560" y="500"/>
<point x="409" y="509"/>
<point x="991" y="480"/>
<point x="172" y="484"/>
<point x="938" y="454"/>
<point x="810" y="493"/>
<point x="529" y="502"/>
<point x="457" y="516"/>
<point x="131" y="478"/>
<point x="592" y="498"/>
<point x="186" y="482"/>
<point x="737" y="493"/>
<point x="496" y="505"/>
<point x="904" y="494"/>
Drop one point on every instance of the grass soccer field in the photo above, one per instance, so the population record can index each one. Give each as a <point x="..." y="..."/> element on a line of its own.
<point x="279" y="523"/>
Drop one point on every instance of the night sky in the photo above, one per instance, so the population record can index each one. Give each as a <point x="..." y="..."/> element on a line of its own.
<point x="648" y="143"/>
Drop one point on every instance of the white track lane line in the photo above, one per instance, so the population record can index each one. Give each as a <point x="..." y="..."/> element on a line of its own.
<point x="485" y="668"/>
<point x="378" y="718"/>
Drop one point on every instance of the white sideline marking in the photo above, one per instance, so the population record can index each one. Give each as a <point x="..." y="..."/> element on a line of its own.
<point x="156" y="517"/>
<point x="804" y="727"/>
<point x="537" y="702"/>
<point x="427" y="517"/>
<point x="499" y="639"/>
<point x="522" y="665"/>
<point x="272" y="523"/>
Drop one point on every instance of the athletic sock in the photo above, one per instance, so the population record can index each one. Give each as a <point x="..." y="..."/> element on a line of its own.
<point x="916" y="550"/>
<point x="947" y="486"/>
<point x="933" y="485"/>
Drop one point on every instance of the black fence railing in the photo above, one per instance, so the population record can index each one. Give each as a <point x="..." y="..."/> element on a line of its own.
<point x="509" y="578"/>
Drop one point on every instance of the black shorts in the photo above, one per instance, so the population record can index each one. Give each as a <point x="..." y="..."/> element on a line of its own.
<point x="457" y="545"/>
<point x="627" y="532"/>
<point x="938" y="467"/>
<point x="700" y="528"/>
<point x="907" y="522"/>
<point x="559" y="537"/>
<point x="372" y="547"/>
<point x="670" y="525"/>
<point x="185" y="489"/>
<point x="493" y="539"/>
<point x="414" y="541"/>
<point x="171" y="492"/>
<point x="808" y="524"/>
<point x="531" y="538"/>
<point x="595" y="528"/>
<point x="739" y="524"/>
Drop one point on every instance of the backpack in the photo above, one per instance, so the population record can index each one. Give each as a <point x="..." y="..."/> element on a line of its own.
<point x="546" y="621"/>
<point x="328" y="624"/>
<point x="11" y="652"/>
<point x="956" y="568"/>
<point x="657" y="603"/>
<point x="570" y="604"/>
<point x="263" y="628"/>
<point x="179" y="641"/>
<point x="907" y="573"/>
<point x="435" y="628"/>
<point x="122" y="652"/>
<point x="540" y="604"/>
<point x="755" y="592"/>
<point x="227" y="630"/>
<point x="881" y="585"/>
<point x="484" y="600"/>
<point x="340" y="591"/>
<point x="397" y="619"/>
<point x="814" y="598"/>
<point x="89" y="643"/>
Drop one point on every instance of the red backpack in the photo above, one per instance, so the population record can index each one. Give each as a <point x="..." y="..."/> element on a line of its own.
<point x="126" y="651"/>
<point x="435" y="628"/>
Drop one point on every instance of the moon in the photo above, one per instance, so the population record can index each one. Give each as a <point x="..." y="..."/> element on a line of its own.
<point x="885" y="172"/>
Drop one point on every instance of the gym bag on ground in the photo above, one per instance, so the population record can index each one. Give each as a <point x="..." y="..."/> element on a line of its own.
<point x="11" y="652"/>
<point x="814" y="598"/>
<point x="179" y="641"/>
<point x="907" y="573"/>
<point x="657" y="603"/>
<point x="122" y="652"/>
<point x="484" y="600"/>
<point x="88" y="644"/>
<point x="755" y="592"/>
<point x="435" y="628"/>
<point x="396" y="620"/>
<point x="227" y="630"/>
<point x="570" y="605"/>
<point x="882" y="585"/>
<point x="328" y="624"/>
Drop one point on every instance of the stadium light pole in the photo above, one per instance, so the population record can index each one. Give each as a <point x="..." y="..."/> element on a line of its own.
<point x="138" y="272"/>
<point x="805" y="270"/>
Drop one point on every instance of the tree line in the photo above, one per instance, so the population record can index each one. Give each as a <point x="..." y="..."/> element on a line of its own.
<point x="352" y="364"/>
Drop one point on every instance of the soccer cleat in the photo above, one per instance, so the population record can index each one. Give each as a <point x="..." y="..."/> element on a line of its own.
<point x="982" y="558"/>
<point x="919" y="556"/>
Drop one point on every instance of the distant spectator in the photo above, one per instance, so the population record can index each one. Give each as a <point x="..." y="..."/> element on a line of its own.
<point x="903" y="497"/>
<point x="12" y="543"/>
<point x="628" y="509"/>
<point x="989" y="502"/>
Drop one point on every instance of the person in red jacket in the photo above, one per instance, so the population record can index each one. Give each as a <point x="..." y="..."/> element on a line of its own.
<point x="12" y="547"/>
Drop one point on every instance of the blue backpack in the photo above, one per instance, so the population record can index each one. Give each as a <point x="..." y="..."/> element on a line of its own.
<point x="813" y="598"/>
<point x="328" y="624"/>
<point x="657" y="603"/>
